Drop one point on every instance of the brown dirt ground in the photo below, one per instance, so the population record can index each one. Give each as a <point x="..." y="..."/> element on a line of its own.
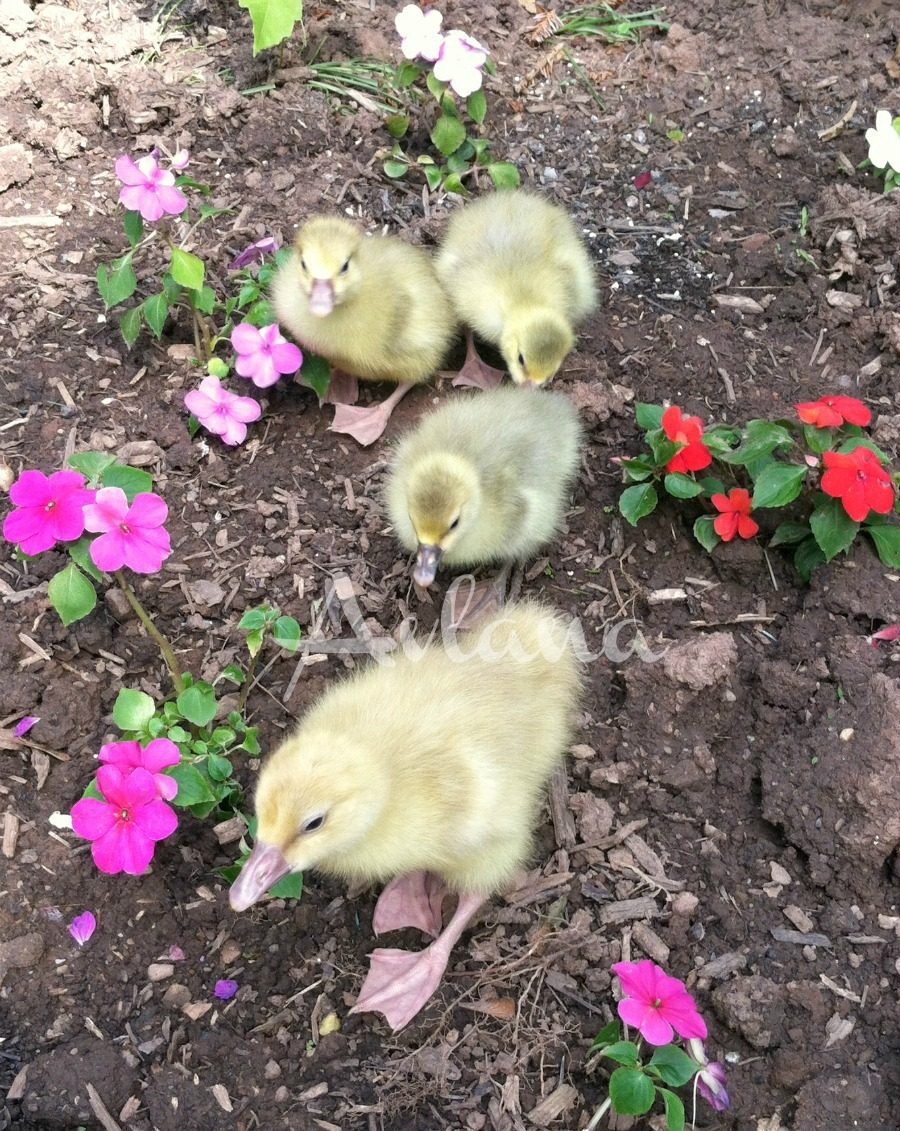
<point x="682" y="792"/>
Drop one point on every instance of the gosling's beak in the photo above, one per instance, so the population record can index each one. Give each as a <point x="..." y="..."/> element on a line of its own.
<point x="427" y="561"/>
<point x="321" y="297"/>
<point x="538" y="380"/>
<point x="265" y="866"/>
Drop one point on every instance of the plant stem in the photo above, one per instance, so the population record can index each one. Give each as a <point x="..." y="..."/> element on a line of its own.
<point x="164" y="646"/>
<point x="248" y="682"/>
<point x="598" y="1114"/>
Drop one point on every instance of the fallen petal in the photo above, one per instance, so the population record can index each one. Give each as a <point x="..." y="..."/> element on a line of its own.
<point x="82" y="927"/>
<point x="23" y="726"/>
<point x="225" y="989"/>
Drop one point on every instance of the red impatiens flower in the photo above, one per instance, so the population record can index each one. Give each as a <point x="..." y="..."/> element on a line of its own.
<point x="859" y="481"/>
<point x="734" y="517"/>
<point x="832" y="412"/>
<point x="687" y="430"/>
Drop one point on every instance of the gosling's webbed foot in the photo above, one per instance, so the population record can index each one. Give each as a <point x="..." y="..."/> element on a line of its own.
<point x="365" y="425"/>
<point x="469" y="602"/>
<point x="413" y="900"/>
<point x="400" y="982"/>
<point x="343" y="388"/>
<point x="475" y="372"/>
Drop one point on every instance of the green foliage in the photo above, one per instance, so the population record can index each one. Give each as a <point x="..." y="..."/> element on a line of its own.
<point x="637" y="502"/>
<point x="132" y="709"/>
<point x="648" y="416"/>
<point x="705" y="534"/>
<point x="832" y="528"/>
<point x="71" y="594"/>
<point x="887" y="542"/>
<point x="778" y="484"/>
<point x="631" y="1092"/>
<point x="273" y="20"/>
<point x="132" y="480"/>
<point x="117" y="282"/>
<point x="672" y="1065"/>
<point x="187" y="269"/>
<point x="682" y="486"/>
<point x="315" y="373"/>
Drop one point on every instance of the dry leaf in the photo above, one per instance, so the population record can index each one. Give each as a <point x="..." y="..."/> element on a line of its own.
<point x="222" y="1098"/>
<point x="196" y="1009"/>
<point x="838" y="1029"/>
<point x="502" y="1008"/>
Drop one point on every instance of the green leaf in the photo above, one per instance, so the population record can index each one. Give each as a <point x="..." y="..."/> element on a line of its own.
<point x="637" y="502"/>
<point x="887" y="542"/>
<point x="156" y="310"/>
<point x="631" y="1092"/>
<point x="761" y="438"/>
<point x="855" y="442"/>
<point x="71" y="594"/>
<point x="178" y="735"/>
<point x="197" y="704"/>
<point x="204" y="300"/>
<point x="397" y="125"/>
<point x="406" y="74"/>
<point x="315" y="373"/>
<point x="662" y="447"/>
<point x="682" y="486"/>
<point x="705" y="534"/>
<point x="134" y="227"/>
<point x="674" y="1110"/>
<point x="132" y="480"/>
<point x="638" y="469"/>
<point x="448" y="134"/>
<point x="609" y="1033"/>
<point x="251" y="742"/>
<point x="818" y="440"/>
<point x="453" y="183"/>
<point x="433" y="177"/>
<point x="673" y="1065"/>
<point x="222" y="736"/>
<point x="156" y="727"/>
<point x="234" y="673"/>
<point x="622" y="1052"/>
<point x="218" y="768"/>
<point x="503" y="174"/>
<point x="130" y="325"/>
<point x="116" y="282"/>
<point x="273" y="20"/>
<point x="436" y="87"/>
<point x="132" y="709"/>
<point x="779" y="484"/>
<point x="675" y="135"/>
<point x="187" y="269"/>
<point x="458" y="162"/>
<point x="171" y="289"/>
<point x="80" y="553"/>
<point x="712" y="486"/>
<point x="394" y="168"/>
<point x="288" y="887"/>
<point x="193" y="787"/>
<point x="254" y="641"/>
<point x="253" y="618"/>
<point x="91" y="464"/>
<point x="286" y="634"/>
<point x="93" y="790"/>
<point x="648" y="416"/>
<point x="789" y="533"/>
<point x="833" y="529"/>
<point x="476" y="106"/>
<point x="807" y="557"/>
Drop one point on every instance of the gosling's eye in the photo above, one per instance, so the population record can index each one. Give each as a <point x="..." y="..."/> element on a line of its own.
<point x="346" y="267"/>
<point x="453" y="525"/>
<point x="522" y="360"/>
<point x="312" y="823"/>
<point x="302" y="263"/>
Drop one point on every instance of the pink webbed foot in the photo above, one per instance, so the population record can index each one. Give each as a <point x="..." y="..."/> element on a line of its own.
<point x="469" y="602"/>
<point x="475" y="372"/>
<point x="413" y="900"/>
<point x="365" y="425"/>
<point x="343" y="388"/>
<point x="399" y="982"/>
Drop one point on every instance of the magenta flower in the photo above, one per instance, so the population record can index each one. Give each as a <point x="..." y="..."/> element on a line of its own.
<point x="82" y="927"/>
<point x="154" y="757"/>
<point x="132" y="536"/>
<point x="460" y="62"/>
<point x="656" y="1004"/>
<point x="23" y="726"/>
<point x="148" y="189"/>
<point x="254" y="253"/>
<point x="223" y="413"/>
<point x="49" y="510"/>
<point x="264" y="355"/>
<point x="711" y="1078"/>
<point x="225" y="989"/>
<point x="125" y="826"/>
<point x="420" y="32"/>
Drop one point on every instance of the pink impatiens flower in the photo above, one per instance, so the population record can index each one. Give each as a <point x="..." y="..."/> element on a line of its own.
<point x="254" y="253"/>
<point x="148" y="189"/>
<point x="264" y="355"/>
<point x="460" y="63"/>
<point x="223" y="413"/>
<point x="48" y="510"/>
<point x="420" y="32"/>
<point x="125" y="826"/>
<point x="711" y="1078"/>
<point x="132" y="536"/>
<point x="155" y="757"/>
<point x="656" y="1004"/>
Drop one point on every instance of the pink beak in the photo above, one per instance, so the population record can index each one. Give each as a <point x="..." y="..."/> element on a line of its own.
<point x="265" y="866"/>
<point x="321" y="298"/>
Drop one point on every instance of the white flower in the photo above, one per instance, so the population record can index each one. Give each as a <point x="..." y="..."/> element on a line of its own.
<point x="884" y="142"/>
<point x="420" y="32"/>
<point x="460" y="63"/>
